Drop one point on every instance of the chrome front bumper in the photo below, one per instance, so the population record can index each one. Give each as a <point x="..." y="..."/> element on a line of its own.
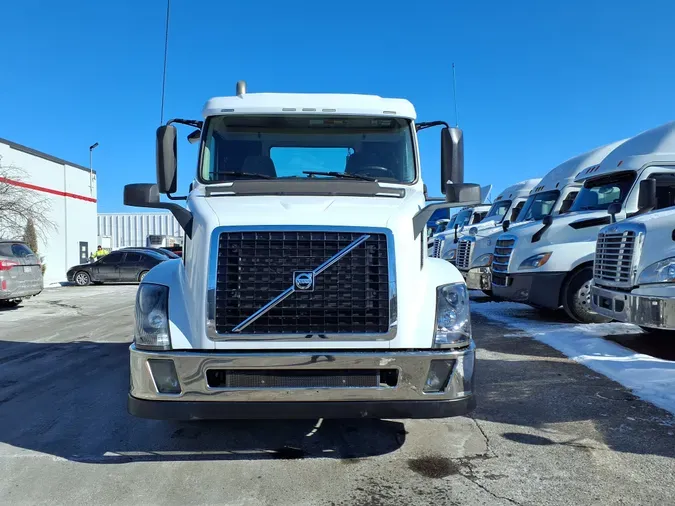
<point x="478" y="278"/>
<point x="647" y="311"/>
<point x="197" y="399"/>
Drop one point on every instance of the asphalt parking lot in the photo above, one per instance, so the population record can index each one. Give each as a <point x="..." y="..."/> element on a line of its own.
<point x="547" y="430"/>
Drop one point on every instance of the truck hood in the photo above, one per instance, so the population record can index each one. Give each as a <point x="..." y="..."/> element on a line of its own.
<point x="326" y="211"/>
<point x="657" y="228"/>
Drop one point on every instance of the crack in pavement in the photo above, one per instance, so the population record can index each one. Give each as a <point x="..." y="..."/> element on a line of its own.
<point x="485" y="436"/>
<point x="473" y="478"/>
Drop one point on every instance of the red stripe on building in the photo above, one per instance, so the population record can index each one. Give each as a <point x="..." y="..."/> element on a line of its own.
<point x="46" y="190"/>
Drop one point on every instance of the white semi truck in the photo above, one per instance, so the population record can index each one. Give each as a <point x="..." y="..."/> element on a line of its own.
<point x="506" y="207"/>
<point x="305" y="289"/>
<point x="553" y="196"/>
<point x="634" y="267"/>
<point x="552" y="265"/>
<point x="634" y="271"/>
<point x="468" y="216"/>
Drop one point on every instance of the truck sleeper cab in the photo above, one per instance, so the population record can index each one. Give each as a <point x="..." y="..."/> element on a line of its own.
<point x="553" y="196"/>
<point x="305" y="289"/>
<point x="557" y="269"/>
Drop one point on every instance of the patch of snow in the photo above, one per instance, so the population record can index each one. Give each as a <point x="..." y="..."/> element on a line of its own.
<point x="649" y="378"/>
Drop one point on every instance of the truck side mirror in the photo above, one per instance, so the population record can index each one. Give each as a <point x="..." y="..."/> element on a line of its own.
<point x="195" y="136"/>
<point x="647" y="195"/>
<point x="141" y="194"/>
<point x="452" y="158"/>
<point x="505" y="225"/>
<point x="547" y="220"/>
<point x="166" y="159"/>
<point x="614" y="209"/>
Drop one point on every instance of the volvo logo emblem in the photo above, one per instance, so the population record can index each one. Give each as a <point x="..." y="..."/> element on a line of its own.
<point x="303" y="280"/>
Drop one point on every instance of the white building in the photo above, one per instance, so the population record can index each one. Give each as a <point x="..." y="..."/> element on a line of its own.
<point x="70" y="192"/>
<point x="119" y="230"/>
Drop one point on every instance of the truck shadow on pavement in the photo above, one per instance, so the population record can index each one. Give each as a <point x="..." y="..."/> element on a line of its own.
<point x="69" y="400"/>
<point x="534" y="388"/>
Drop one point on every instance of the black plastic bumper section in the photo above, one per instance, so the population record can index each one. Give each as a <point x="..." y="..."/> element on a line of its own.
<point x="202" y="410"/>
<point x="541" y="289"/>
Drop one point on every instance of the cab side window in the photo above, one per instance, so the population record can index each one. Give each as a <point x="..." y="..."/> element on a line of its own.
<point x="665" y="190"/>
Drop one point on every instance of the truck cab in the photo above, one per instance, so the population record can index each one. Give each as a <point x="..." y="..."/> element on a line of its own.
<point x="305" y="288"/>
<point x="504" y="210"/>
<point x="556" y="269"/>
<point x="634" y="265"/>
<point x="553" y="196"/>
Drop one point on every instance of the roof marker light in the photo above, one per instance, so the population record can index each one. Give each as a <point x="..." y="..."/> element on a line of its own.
<point x="388" y="112"/>
<point x="288" y="109"/>
<point x="227" y="110"/>
<point x="328" y="110"/>
<point x="309" y="109"/>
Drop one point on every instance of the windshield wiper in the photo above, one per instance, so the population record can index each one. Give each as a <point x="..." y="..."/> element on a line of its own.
<point x="344" y="175"/>
<point x="246" y="174"/>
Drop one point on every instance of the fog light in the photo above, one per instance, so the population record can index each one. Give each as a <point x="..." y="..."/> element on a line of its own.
<point x="164" y="374"/>
<point x="439" y="374"/>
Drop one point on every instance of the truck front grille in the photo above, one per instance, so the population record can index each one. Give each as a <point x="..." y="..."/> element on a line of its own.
<point x="438" y="246"/>
<point x="500" y="263"/>
<point x="349" y="297"/>
<point x="463" y="256"/>
<point x="302" y="378"/>
<point x="613" y="262"/>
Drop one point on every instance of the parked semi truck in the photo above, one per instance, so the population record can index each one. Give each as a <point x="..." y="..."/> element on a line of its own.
<point x="553" y="196"/>
<point x="634" y="271"/>
<point x="305" y="290"/>
<point x="507" y="206"/>
<point x="634" y="265"/>
<point x="469" y="216"/>
<point x="551" y="265"/>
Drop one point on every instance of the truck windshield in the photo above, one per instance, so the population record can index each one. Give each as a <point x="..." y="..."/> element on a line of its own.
<point x="598" y="194"/>
<point x="498" y="210"/>
<point x="463" y="218"/>
<point x="276" y="147"/>
<point x="538" y="205"/>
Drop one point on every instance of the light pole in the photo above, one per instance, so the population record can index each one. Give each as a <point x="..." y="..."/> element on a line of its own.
<point x="91" y="172"/>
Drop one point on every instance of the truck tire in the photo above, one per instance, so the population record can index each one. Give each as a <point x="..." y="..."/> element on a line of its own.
<point x="577" y="298"/>
<point x="82" y="278"/>
<point x="142" y="275"/>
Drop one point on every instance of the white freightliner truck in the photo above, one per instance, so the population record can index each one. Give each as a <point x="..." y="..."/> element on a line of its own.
<point x="465" y="217"/>
<point x="553" y="196"/>
<point x="506" y="207"/>
<point x="634" y="266"/>
<point x="305" y="289"/>
<point x="552" y="265"/>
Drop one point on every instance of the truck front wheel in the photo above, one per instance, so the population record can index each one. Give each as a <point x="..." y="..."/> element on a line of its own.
<point x="577" y="298"/>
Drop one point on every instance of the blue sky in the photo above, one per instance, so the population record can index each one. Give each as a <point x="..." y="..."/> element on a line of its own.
<point x="538" y="82"/>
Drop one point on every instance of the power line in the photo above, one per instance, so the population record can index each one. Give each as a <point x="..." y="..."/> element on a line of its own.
<point x="166" y="50"/>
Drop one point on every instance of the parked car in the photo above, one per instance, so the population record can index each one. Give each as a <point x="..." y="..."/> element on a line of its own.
<point x="167" y="253"/>
<point x="20" y="272"/>
<point x="118" y="266"/>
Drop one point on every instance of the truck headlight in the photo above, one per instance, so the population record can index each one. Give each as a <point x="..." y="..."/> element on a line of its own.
<point x="483" y="261"/>
<point x="453" y="319"/>
<point x="450" y="255"/>
<point x="662" y="271"/>
<point x="535" y="261"/>
<point x="152" y="317"/>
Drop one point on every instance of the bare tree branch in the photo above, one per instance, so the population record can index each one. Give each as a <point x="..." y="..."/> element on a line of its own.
<point x="18" y="205"/>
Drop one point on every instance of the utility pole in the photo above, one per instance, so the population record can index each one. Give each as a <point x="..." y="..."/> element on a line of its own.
<point x="91" y="172"/>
